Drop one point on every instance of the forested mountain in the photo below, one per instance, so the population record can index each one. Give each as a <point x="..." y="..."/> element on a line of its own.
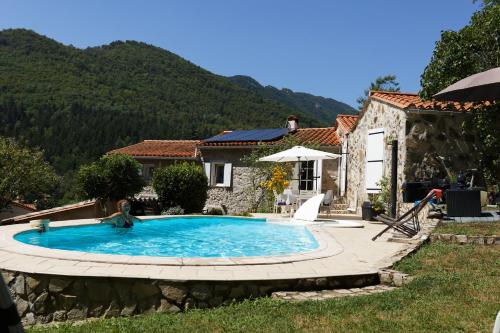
<point x="77" y="104"/>
<point x="317" y="107"/>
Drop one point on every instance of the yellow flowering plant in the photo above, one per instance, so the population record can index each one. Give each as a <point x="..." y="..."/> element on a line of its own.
<point x="278" y="181"/>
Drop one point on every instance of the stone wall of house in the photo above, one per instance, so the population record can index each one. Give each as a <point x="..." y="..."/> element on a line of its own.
<point x="435" y="143"/>
<point x="393" y="121"/>
<point x="237" y="197"/>
<point x="47" y="298"/>
<point x="242" y="193"/>
<point x="429" y="144"/>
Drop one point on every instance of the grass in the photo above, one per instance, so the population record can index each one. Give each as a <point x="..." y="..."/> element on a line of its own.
<point x="469" y="229"/>
<point x="456" y="289"/>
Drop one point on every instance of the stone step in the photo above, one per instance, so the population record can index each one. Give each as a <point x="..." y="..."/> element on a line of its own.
<point x="298" y="296"/>
<point x="339" y="212"/>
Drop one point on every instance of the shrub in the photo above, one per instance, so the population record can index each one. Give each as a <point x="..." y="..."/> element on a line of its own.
<point x="184" y="184"/>
<point x="112" y="177"/>
<point x="24" y="174"/>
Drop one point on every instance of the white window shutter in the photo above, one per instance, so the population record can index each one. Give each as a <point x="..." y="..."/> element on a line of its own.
<point x="374" y="160"/>
<point x="208" y="172"/>
<point x="227" y="174"/>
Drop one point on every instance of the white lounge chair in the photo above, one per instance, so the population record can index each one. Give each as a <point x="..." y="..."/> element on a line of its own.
<point x="309" y="210"/>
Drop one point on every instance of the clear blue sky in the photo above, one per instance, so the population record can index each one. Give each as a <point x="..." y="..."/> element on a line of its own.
<point x="328" y="48"/>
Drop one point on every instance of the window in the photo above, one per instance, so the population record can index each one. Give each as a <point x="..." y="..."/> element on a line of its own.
<point x="218" y="174"/>
<point x="307" y="176"/>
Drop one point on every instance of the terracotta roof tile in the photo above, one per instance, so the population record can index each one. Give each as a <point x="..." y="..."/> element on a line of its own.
<point x="413" y="101"/>
<point x="347" y="122"/>
<point x="326" y="136"/>
<point x="161" y="148"/>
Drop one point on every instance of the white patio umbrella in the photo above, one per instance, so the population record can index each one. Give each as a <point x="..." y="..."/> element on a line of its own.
<point x="299" y="154"/>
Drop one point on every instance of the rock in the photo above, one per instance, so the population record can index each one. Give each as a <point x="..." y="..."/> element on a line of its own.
<point x="124" y="291"/>
<point x="265" y="290"/>
<point x="237" y="292"/>
<point x="8" y="277"/>
<point x="144" y="290"/>
<point x="22" y="306"/>
<point x="216" y="301"/>
<point x="385" y="277"/>
<point x="113" y="310"/>
<point x="44" y="319"/>
<point x="189" y="303"/>
<point x="60" y="315"/>
<point x="322" y="282"/>
<point x="397" y="279"/>
<point x="447" y="237"/>
<point x="222" y="289"/>
<point x="30" y="318"/>
<point x="32" y="297"/>
<point x="435" y="237"/>
<point x="77" y="289"/>
<point x="489" y="240"/>
<point x="77" y="314"/>
<point x="40" y="303"/>
<point x="98" y="290"/>
<point x="497" y="240"/>
<point x="174" y="293"/>
<point x="201" y="292"/>
<point x="166" y="307"/>
<point x="461" y="239"/>
<point x="128" y="310"/>
<point x="95" y="310"/>
<point x="58" y="285"/>
<point x="32" y="283"/>
<point x="66" y="301"/>
<point x="19" y="286"/>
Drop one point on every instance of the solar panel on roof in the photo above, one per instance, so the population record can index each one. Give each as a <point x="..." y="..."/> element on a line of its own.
<point x="250" y="135"/>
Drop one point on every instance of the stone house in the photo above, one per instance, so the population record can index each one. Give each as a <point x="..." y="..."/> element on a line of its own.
<point x="229" y="178"/>
<point x="431" y="144"/>
<point x="160" y="153"/>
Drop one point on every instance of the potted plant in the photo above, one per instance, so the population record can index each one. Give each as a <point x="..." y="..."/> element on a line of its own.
<point x="380" y="201"/>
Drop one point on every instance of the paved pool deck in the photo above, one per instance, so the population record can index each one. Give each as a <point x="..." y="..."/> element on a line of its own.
<point x="341" y="252"/>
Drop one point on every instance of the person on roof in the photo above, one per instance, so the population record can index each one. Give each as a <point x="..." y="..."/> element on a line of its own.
<point x="122" y="218"/>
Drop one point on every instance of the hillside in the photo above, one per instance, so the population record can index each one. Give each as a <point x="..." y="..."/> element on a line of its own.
<point x="77" y="104"/>
<point x="317" y="107"/>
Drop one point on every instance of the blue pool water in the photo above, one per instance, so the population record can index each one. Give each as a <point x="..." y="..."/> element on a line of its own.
<point x="180" y="237"/>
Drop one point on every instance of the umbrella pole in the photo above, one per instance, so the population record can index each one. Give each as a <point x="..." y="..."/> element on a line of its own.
<point x="299" y="174"/>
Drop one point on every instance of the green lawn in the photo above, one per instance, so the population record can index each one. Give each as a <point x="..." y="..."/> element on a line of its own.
<point x="469" y="229"/>
<point x="456" y="289"/>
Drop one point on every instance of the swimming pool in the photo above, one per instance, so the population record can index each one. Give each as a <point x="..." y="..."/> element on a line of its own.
<point x="205" y="237"/>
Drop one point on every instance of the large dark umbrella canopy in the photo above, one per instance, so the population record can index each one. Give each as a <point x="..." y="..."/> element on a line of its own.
<point x="484" y="86"/>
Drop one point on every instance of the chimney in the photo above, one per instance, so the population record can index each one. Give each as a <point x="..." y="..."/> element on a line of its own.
<point x="293" y="123"/>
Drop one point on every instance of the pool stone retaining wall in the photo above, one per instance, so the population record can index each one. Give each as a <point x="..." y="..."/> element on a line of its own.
<point x="45" y="298"/>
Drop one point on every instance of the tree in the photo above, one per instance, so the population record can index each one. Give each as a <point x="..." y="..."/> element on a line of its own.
<point x="381" y="83"/>
<point x="458" y="54"/>
<point x="24" y="174"/>
<point x="181" y="184"/>
<point x="112" y="177"/>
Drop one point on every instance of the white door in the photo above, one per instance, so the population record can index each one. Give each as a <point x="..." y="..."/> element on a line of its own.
<point x="374" y="160"/>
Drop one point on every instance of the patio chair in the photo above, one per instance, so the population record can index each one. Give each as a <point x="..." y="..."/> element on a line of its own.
<point x="408" y="223"/>
<point x="327" y="202"/>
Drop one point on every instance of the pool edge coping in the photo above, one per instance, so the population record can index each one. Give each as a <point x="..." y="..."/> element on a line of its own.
<point x="327" y="247"/>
